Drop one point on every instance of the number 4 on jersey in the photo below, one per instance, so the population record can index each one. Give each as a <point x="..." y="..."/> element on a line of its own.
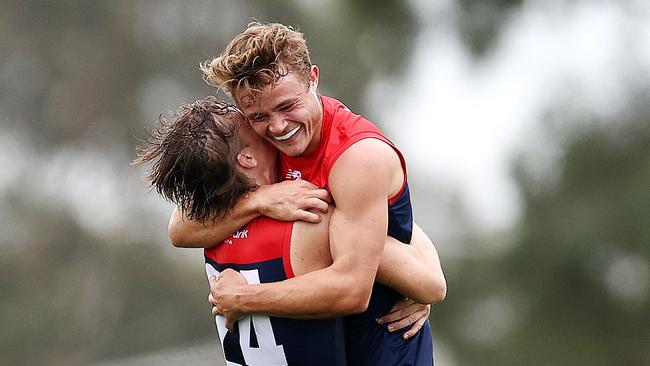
<point x="267" y="352"/>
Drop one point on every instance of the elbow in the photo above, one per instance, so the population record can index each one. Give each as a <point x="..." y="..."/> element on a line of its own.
<point x="175" y="236"/>
<point x="438" y="290"/>
<point x="359" y="305"/>
<point x="354" y="301"/>
<point x="174" y="239"/>
<point x="431" y="292"/>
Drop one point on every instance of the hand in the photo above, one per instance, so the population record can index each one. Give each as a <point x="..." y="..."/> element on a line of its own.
<point x="223" y="290"/>
<point x="292" y="200"/>
<point x="404" y="313"/>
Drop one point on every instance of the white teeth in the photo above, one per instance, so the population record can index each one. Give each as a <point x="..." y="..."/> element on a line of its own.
<point x="287" y="135"/>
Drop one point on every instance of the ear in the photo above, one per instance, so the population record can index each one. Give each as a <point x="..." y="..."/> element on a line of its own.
<point x="313" y="77"/>
<point x="246" y="159"/>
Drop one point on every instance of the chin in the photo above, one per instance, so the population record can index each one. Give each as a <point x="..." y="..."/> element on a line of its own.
<point x="293" y="152"/>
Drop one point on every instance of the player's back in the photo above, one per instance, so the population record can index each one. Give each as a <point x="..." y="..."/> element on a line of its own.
<point x="262" y="252"/>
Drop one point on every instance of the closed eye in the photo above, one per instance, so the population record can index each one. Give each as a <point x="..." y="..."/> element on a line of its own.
<point x="287" y="107"/>
<point x="257" y="118"/>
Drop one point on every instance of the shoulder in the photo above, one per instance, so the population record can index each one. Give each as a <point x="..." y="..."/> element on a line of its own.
<point x="368" y="167"/>
<point x="368" y="153"/>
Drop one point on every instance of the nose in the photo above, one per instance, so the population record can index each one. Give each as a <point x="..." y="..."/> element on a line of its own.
<point x="277" y="124"/>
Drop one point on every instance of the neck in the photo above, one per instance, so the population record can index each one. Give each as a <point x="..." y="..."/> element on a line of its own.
<point x="262" y="177"/>
<point x="313" y="144"/>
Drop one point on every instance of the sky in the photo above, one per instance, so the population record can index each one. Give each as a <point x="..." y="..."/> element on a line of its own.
<point x="461" y="121"/>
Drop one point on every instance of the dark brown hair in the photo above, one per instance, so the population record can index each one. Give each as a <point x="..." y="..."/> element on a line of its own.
<point x="258" y="57"/>
<point x="195" y="159"/>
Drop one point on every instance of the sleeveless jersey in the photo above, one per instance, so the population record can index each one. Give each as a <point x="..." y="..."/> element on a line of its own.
<point x="367" y="343"/>
<point x="260" y="252"/>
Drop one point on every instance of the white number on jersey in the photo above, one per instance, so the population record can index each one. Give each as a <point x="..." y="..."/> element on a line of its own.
<point x="267" y="352"/>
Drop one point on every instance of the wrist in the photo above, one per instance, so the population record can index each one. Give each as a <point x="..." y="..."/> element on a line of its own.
<point x="245" y="296"/>
<point x="256" y="202"/>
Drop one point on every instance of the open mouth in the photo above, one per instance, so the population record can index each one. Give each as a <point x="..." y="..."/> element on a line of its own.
<point x="287" y="135"/>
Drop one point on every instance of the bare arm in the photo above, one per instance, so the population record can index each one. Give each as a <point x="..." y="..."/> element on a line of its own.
<point x="191" y="234"/>
<point x="413" y="270"/>
<point x="346" y="285"/>
<point x="286" y="201"/>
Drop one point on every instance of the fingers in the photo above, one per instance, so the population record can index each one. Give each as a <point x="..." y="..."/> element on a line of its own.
<point x="316" y="204"/>
<point x="399" y="314"/>
<point x="230" y="324"/>
<point x="416" y="319"/>
<point x="307" y="216"/>
<point x="215" y="311"/>
<point x="323" y="195"/>
<point x="211" y="300"/>
<point x="311" y="190"/>
<point x="402" y="304"/>
<point x="401" y="310"/>
<point x="416" y="327"/>
<point x="406" y="312"/>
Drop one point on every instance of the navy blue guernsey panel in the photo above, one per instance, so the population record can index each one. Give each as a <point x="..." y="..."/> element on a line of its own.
<point x="369" y="343"/>
<point x="267" y="340"/>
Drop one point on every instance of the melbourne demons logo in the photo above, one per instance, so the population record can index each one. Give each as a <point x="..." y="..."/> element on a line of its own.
<point x="293" y="175"/>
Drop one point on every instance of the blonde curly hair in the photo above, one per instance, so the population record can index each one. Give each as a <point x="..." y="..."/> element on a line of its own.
<point x="256" y="58"/>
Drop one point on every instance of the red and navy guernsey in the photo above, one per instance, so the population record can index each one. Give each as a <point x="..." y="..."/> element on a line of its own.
<point x="260" y="251"/>
<point x="367" y="343"/>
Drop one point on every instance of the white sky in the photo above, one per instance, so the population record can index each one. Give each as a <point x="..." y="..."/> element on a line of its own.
<point x="463" y="119"/>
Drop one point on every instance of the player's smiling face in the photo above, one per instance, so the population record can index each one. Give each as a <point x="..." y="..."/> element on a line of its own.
<point x="288" y="114"/>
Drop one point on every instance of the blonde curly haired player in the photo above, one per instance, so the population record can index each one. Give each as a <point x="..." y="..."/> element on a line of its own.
<point x="268" y="72"/>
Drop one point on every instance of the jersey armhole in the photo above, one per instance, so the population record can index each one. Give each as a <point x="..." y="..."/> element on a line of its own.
<point x="286" y="249"/>
<point x="329" y="164"/>
<point x="399" y="193"/>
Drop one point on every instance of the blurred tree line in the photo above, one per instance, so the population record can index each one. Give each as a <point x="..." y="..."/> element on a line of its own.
<point x="84" y="281"/>
<point x="572" y="289"/>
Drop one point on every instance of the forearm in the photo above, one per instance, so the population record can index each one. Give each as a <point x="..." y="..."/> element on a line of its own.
<point x="286" y="201"/>
<point x="401" y="270"/>
<point x="191" y="234"/>
<point x="323" y="293"/>
<point x="428" y="255"/>
<point x="340" y="289"/>
<point x="413" y="270"/>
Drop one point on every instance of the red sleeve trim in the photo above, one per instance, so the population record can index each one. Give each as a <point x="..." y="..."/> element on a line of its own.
<point x="286" y="250"/>
<point x="366" y="135"/>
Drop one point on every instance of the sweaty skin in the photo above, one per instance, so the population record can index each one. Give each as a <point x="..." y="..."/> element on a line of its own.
<point x="289" y="115"/>
<point x="268" y="72"/>
<point x="401" y="267"/>
<point x="413" y="270"/>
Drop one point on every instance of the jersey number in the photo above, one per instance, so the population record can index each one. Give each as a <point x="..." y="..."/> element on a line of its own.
<point x="268" y="353"/>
